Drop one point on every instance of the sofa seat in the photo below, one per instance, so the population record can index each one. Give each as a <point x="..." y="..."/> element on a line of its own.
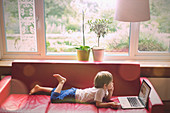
<point x="24" y="103"/>
<point x="72" y="108"/>
<point x="110" y="110"/>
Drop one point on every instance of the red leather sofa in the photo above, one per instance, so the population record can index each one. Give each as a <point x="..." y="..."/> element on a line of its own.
<point x="14" y="89"/>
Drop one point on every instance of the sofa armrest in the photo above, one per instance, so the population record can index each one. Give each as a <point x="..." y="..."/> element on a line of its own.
<point x="5" y="85"/>
<point x="155" y="104"/>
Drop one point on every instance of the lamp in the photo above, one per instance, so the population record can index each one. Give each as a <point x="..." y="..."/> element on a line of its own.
<point x="132" y="10"/>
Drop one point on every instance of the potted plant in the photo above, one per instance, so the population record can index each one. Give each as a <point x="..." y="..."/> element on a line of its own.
<point x="83" y="51"/>
<point x="100" y="27"/>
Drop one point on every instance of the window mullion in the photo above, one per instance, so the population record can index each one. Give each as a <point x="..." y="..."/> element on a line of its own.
<point x="2" y="31"/>
<point x="134" y="37"/>
<point x="40" y="27"/>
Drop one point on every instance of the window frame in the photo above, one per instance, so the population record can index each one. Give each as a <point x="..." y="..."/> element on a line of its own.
<point x="134" y="54"/>
<point x="39" y="33"/>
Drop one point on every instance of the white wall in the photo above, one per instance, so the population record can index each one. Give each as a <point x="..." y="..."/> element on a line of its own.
<point x="162" y="86"/>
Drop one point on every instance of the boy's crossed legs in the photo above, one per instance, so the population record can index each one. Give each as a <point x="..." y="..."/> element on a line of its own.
<point x="58" y="89"/>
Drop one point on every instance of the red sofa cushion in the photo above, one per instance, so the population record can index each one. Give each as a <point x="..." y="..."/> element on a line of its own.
<point x="5" y="85"/>
<point x="72" y="108"/>
<point x="24" y="103"/>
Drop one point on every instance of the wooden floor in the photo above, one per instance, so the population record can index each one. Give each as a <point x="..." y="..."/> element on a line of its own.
<point x="166" y="106"/>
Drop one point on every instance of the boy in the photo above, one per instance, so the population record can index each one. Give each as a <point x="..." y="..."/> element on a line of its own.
<point x="103" y="88"/>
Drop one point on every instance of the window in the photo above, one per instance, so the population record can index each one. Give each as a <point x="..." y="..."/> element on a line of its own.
<point x="64" y="26"/>
<point x="20" y="25"/>
<point x="154" y="36"/>
<point x="51" y="29"/>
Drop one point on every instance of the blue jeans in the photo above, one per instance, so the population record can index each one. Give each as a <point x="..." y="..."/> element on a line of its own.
<point x="64" y="96"/>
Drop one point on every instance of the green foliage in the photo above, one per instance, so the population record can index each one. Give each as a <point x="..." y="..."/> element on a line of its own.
<point x="160" y="12"/>
<point x="164" y="24"/>
<point x="11" y="38"/>
<point x="58" y="12"/>
<point x="11" y="6"/>
<point x="118" y="46"/>
<point x="60" y="48"/>
<point x="154" y="8"/>
<point x="100" y="27"/>
<point x="57" y="8"/>
<point x="148" y="43"/>
<point x="11" y="16"/>
<point x="83" y="48"/>
<point x="124" y="44"/>
<point x="73" y="27"/>
<point x="68" y="43"/>
<point x="69" y="50"/>
<point x="51" y="49"/>
<point x="108" y="14"/>
<point x="47" y="44"/>
<point x="113" y="25"/>
<point x="58" y="42"/>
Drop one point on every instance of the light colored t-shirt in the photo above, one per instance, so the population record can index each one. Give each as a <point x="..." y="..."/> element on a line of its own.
<point x="90" y="94"/>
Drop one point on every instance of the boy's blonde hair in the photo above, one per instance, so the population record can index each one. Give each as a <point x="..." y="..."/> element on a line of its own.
<point x="102" y="77"/>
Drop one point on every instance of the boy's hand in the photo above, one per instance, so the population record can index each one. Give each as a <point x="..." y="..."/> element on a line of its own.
<point x="115" y="105"/>
<point x="110" y="90"/>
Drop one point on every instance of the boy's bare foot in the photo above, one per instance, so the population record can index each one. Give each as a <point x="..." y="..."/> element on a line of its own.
<point x="60" y="78"/>
<point x="35" y="89"/>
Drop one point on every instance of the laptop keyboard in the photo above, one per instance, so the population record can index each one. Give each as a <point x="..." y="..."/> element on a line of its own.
<point x="133" y="102"/>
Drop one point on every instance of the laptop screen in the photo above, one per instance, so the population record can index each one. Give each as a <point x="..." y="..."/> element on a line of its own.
<point x="144" y="92"/>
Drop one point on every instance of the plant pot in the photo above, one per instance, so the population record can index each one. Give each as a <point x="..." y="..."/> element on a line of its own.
<point x="83" y="55"/>
<point x="98" y="54"/>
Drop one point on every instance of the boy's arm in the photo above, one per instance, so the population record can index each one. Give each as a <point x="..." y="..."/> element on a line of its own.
<point x="108" y="104"/>
<point x="110" y="93"/>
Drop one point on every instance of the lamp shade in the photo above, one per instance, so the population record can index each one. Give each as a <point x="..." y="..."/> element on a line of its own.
<point x="132" y="10"/>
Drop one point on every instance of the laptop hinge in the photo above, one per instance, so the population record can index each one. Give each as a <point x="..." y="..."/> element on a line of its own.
<point x="141" y="101"/>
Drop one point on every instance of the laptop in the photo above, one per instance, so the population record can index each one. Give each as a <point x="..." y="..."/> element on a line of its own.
<point x="139" y="101"/>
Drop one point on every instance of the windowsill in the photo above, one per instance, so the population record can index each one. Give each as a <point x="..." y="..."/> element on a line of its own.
<point x="8" y="63"/>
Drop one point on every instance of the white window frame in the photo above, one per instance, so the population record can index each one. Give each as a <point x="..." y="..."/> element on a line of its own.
<point x="41" y="46"/>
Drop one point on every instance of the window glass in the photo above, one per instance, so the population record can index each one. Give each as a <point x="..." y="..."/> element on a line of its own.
<point x="155" y="34"/>
<point x="20" y="25"/>
<point x="64" y="19"/>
